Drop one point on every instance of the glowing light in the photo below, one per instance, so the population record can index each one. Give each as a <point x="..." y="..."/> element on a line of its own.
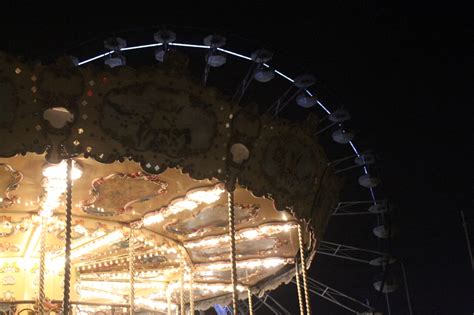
<point x="234" y="54"/>
<point x="98" y="243"/>
<point x="189" y="202"/>
<point x="94" y="58"/>
<point x="284" y="76"/>
<point x="33" y="242"/>
<point x="125" y="285"/>
<point x="244" y="234"/>
<point x="60" y="170"/>
<point x="149" y="275"/>
<point x="54" y="185"/>
<point x="250" y="234"/>
<point x="206" y="196"/>
<point x="141" y="46"/>
<point x="205" y="287"/>
<point x="153" y="218"/>
<point x="102" y="295"/>
<point x="189" y="45"/>
<point x="247" y="264"/>
<point x="154" y="305"/>
<point x="184" y="205"/>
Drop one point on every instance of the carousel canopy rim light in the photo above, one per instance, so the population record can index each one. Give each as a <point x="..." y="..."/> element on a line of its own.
<point x="60" y="170"/>
<point x="185" y="204"/>
<point x="206" y="196"/>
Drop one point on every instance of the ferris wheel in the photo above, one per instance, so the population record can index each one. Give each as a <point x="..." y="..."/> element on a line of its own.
<point x="254" y="104"/>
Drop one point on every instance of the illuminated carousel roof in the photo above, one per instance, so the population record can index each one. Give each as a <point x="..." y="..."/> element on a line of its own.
<point x="154" y="151"/>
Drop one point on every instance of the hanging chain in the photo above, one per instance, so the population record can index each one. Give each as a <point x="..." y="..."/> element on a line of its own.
<point x="230" y="199"/>
<point x="303" y="271"/>
<point x="168" y="298"/>
<point x="131" y="265"/>
<point x="67" y="260"/>
<point x="42" y="265"/>
<point x="298" y="288"/>
<point x="249" y="294"/>
<point x="181" y="288"/>
<point x="191" y="292"/>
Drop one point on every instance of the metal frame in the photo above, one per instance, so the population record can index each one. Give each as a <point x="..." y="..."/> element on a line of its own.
<point x="347" y="207"/>
<point x="349" y="252"/>
<point x="337" y="297"/>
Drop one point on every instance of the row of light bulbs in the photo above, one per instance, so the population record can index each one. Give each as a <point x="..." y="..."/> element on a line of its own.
<point x="191" y="201"/>
<point x="268" y="229"/>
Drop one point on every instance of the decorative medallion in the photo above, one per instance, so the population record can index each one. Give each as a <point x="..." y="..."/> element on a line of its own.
<point x="8" y="296"/>
<point x="9" y="268"/>
<point x="8" y="247"/>
<point x="210" y="218"/>
<point x="6" y="227"/>
<point x="116" y="193"/>
<point x="58" y="117"/>
<point x="78" y="230"/>
<point x="8" y="280"/>
<point x="9" y="181"/>
<point x="150" y="117"/>
<point x="9" y="227"/>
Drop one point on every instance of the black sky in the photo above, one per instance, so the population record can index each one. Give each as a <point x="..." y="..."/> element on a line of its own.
<point x="404" y="72"/>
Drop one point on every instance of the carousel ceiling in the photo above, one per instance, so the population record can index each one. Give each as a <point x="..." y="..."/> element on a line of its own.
<point x="180" y="218"/>
<point x="152" y="150"/>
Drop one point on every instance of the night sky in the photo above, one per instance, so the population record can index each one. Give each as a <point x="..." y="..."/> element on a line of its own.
<point x="402" y="72"/>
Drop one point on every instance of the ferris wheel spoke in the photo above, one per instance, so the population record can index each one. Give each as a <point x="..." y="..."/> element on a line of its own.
<point x="276" y="308"/>
<point x="346" y="208"/>
<point x="371" y="257"/>
<point x="337" y="297"/>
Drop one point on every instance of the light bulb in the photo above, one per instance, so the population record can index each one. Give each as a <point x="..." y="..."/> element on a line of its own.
<point x="60" y="170"/>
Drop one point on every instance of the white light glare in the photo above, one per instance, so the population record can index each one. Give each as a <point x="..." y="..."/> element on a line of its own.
<point x="60" y="170"/>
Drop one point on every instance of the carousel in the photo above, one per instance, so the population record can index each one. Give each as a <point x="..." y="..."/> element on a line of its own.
<point x="143" y="191"/>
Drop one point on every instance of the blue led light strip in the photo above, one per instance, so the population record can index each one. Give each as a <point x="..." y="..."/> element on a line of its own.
<point x="141" y="46"/>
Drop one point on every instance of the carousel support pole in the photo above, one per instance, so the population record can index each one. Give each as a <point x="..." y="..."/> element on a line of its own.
<point x="131" y="260"/>
<point x="168" y="298"/>
<point x="230" y="198"/>
<point x="67" y="260"/>
<point x="249" y="294"/>
<point x="191" y="292"/>
<point x="298" y="288"/>
<point x="42" y="265"/>
<point x="303" y="270"/>
<point x="181" y="289"/>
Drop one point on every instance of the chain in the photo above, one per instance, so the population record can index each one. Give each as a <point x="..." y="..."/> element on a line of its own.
<point x="303" y="269"/>
<point x="131" y="261"/>
<point x="230" y="199"/>
<point x="298" y="287"/>
<point x="249" y="294"/>
<point x="67" y="260"/>
<point x="181" y="288"/>
<point x="42" y="265"/>
<point x="191" y="292"/>
<point x="168" y="298"/>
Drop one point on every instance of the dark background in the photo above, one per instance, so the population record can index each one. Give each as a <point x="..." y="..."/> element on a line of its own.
<point x="404" y="72"/>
